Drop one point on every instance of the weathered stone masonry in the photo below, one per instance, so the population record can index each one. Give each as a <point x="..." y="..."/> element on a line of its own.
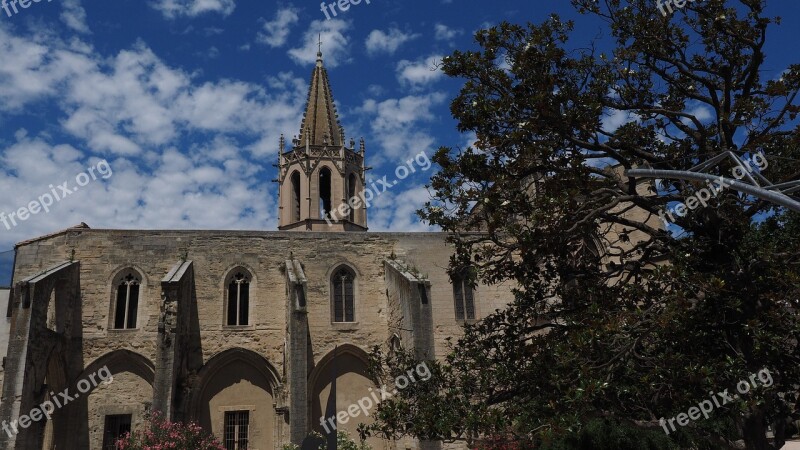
<point x="182" y="359"/>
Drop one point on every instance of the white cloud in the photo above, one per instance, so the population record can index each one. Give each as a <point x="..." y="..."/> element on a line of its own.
<point x="74" y="16"/>
<point x="276" y="31"/>
<point x="375" y="90"/>
<point x="334" y="43"/>
<point x="470" y="139"/>
<point x="379" y="41"/>
<point x="172" y="9"/>
<point x="394" y="113"/>
<point x="33" y="68"/>
<point x="701" y="112"/>
<point x="419" y="73"/>
<point x="445" y="33"/>
<point x="397" y="124"/>
<point x="195" y="190"/>
<point x="135" y="110"/>
<point x="396" y="210"/>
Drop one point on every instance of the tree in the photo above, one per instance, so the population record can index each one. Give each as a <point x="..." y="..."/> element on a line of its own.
<point x="617" y="321"/>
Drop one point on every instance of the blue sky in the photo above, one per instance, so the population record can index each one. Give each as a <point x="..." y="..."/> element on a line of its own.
<point x="186" y="100"/>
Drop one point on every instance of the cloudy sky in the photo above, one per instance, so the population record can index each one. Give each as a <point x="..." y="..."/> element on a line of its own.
<point x="186" y="100"/>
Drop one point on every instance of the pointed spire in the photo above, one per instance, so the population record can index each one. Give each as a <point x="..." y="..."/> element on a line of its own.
<point x="320" y="120"/>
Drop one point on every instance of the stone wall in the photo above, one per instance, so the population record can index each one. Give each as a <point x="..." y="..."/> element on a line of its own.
<point x="5" y="327"/>
<point x="103" y="254"/>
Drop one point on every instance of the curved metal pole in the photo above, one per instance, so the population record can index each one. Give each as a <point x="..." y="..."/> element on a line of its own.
<point x="755" y="191"/>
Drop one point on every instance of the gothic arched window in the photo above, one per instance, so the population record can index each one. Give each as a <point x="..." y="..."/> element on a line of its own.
<point x="464" y="296"/>
<point x="126" y="307"/>
<point x="324" y="192"/>
<point x="238" y="303"/>
<point x="295" y="198"/>
<point x="343" y="293"/>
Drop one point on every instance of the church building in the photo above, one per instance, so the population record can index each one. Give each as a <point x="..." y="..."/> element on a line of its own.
<point x="245" y="332"/>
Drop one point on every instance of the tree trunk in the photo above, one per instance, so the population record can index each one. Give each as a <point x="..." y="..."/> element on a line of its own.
<point x="754" y="431"/>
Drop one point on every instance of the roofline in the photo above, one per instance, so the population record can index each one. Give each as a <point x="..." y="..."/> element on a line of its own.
<point x="81" y="226"/>
<point x="254" y="233"/>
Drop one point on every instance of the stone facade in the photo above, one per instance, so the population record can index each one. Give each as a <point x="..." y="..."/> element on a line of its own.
<point x="181" y="356"/>
<point x="5" y="328"/>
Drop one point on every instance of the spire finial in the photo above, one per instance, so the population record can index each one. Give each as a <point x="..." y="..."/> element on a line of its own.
<point x="319" y="52"/>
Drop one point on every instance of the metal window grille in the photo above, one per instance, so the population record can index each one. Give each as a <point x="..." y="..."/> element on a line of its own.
<point x="237" y="427"/>
<point x="115" y="427"/>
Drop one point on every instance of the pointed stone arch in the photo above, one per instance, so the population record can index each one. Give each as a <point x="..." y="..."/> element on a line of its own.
<point x="349" y="364"/>
<point x="123" y="361"/>
<point x="132" y="379"/>
<point x="295" y="199"/>
<point x="325" y="189"/>
<point x="237" y="380"/>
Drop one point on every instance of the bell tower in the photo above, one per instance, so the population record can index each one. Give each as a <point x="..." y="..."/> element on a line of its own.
<point x="321" y="177"/>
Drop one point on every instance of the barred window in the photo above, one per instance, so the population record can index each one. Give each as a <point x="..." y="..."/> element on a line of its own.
<point x="237" y="427"/>
<point x="116" y="426"/>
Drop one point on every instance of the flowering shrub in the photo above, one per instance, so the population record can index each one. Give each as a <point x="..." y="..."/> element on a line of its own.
<point x="161" y="434"/>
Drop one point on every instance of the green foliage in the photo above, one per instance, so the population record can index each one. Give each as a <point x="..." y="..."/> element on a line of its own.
<point x="160" y="433"/>
<point x="609" y="435"/>
<point x="343" y="442"/>
<point x="615" y="318"/>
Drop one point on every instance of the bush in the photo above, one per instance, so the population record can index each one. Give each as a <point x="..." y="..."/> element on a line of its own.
<point x="343" y="442"/>
<point x="607" y="434"/>
<point x="159" y="433"/>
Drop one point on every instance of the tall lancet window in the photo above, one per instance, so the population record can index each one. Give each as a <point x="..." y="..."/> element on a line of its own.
<point x="464" y="296"/>
<point x="295" y="198"/>
<point x="351" y="193"/>
<point x="343" y="290"/>
<point x="239" y="299"/>
<point x="127" y="305"/>
<point x="324" y="192"/>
